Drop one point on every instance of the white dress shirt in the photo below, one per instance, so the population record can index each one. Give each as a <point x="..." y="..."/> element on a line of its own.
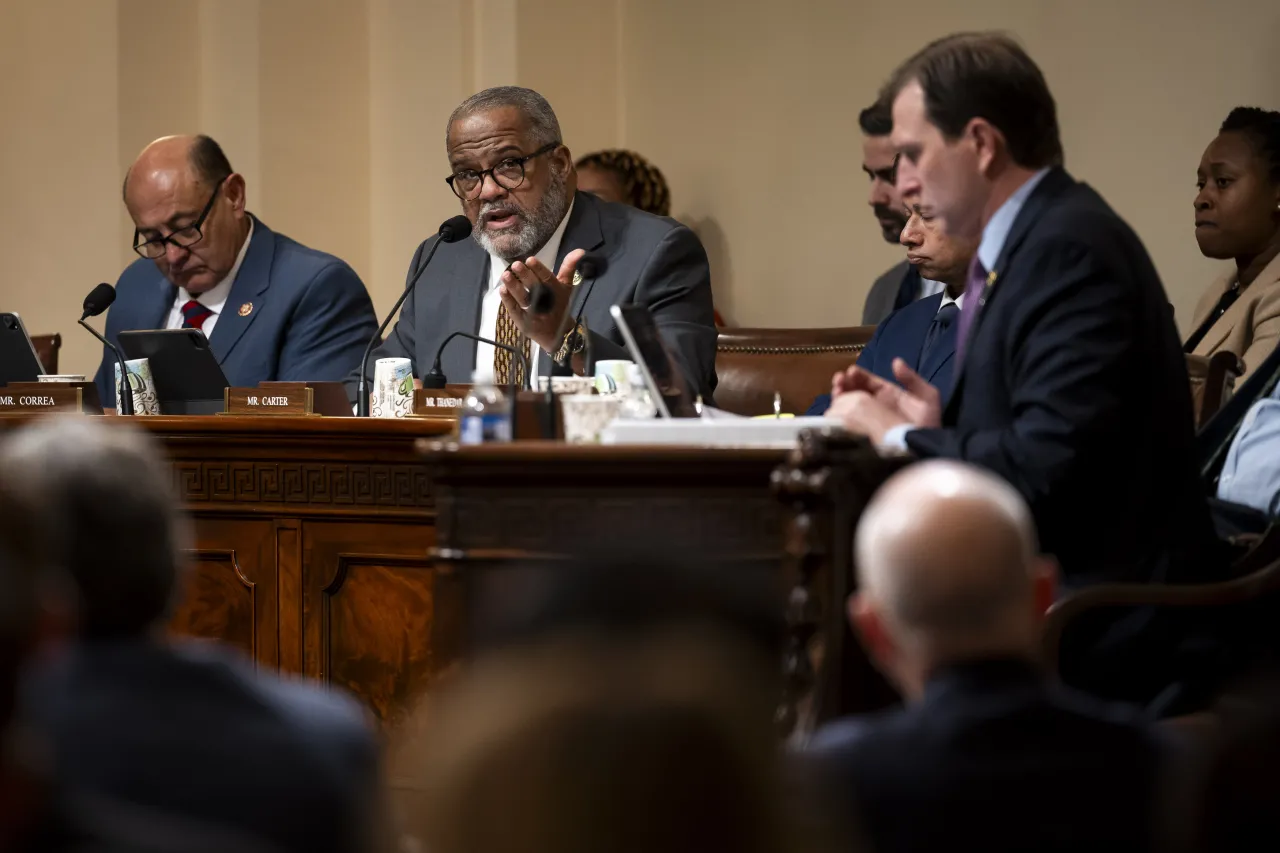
<point x="214" y="298"/>
<point x="492" y="302"/>
<point x="928" y="287"/>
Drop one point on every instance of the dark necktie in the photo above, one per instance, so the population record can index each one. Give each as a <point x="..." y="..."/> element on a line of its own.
<point x="941" y="322"/>
<point x="972" y="298"/>
<point x="194" y="314"/>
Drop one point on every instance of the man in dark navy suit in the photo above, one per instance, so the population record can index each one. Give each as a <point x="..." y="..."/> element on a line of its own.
<point x="1070" y="377"/>
<point x="988" y="754"/>
<point x="271" y="308"/>
<point x="923" y="333"/>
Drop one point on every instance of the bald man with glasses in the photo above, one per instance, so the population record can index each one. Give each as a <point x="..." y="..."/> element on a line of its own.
<point x="516" y="182"/>
<point x="271" y="308"/>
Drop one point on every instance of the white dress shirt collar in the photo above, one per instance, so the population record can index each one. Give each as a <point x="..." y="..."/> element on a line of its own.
<point x="546" y="255"/>
<point x="996" y="232"/>
<point x="215" y="298"/>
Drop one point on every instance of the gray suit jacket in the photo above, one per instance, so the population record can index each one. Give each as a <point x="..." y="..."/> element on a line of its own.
<point x="650" y="260"/>
<point x="883" y="295"/>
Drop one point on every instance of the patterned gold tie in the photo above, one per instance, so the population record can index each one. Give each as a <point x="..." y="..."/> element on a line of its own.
<point x="504" y="372"/>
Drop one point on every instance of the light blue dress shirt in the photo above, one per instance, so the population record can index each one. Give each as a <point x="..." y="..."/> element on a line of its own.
<point x="1251" y="474"/>
<point x="994" y="235"/>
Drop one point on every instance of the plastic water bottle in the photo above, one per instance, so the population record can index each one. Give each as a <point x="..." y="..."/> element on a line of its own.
<point x="486" y="414"/>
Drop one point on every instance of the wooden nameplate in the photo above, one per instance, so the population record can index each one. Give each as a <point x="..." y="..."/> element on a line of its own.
<point x="288" y="398"/>
<point x="278" y="398"/>
<point x="443" y="402"/>
<point x="530" y="409"/>
<point x="32" y="398"/>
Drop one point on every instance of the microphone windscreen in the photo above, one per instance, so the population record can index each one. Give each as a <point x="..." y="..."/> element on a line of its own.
<point x="592" y="266"/>
<point x="99" y="300"/>
<point x="455" y="228"/>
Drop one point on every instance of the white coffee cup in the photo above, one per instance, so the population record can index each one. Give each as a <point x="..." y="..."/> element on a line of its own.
<point x="567" y="384"/>
<point x="392" y="388"/>
<point x="612" y="376"/>
<point x="145" y="401"/>
<point x="586" y="416"/>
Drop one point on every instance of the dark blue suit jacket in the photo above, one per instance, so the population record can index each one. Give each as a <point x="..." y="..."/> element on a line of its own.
<point x="993" y="758"/>
<point x="1074" y="389"/>
<point x="194" y="734"/>
<point x="311" y="316"/>
<point x="901" y="335"/>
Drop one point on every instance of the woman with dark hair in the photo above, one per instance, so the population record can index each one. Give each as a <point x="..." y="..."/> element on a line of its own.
<point x="624" y="177"/>
<point x="1238" y="218"/>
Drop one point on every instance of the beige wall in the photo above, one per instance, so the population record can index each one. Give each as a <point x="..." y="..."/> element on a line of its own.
<point x="334" y="111"/>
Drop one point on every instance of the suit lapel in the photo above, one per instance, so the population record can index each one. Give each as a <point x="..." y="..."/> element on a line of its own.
<point x="451" y="303"/>
<point x="1236" y="314"/>
<point x="1041" y="198"/>
<point x="248" y="292"/>
<point x="582" y="232"/>
<point x="157" y="316"/>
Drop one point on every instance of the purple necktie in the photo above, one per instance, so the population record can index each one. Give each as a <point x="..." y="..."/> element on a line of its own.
<point x="972" y="297"/>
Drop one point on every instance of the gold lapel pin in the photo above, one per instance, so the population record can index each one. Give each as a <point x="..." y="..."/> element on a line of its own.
<point x="246" y="309"/>
<point x="577" y="277"/>
<point x="991" y="278"/>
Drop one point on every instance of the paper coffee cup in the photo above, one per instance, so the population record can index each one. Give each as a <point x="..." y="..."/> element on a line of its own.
<point x="586" y="416"/>
<point x="392" y="388"/>
<point x="612" y="376"/>
<point x="63" y="377"/>
<point x="145" y="401"/>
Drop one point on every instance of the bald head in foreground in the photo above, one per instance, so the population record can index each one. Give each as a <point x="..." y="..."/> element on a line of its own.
<point x="948" y="571"/>
<point x="988" y="754"/>
<point x="271" y="308"/>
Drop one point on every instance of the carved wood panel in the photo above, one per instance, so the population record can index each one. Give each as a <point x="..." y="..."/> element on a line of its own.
<point x="321" y="482"/>
<point x="229" y="590"/>
<point x="367" y="611"/>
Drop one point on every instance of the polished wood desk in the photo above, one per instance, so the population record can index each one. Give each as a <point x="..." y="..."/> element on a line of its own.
<point x="791" y="511"/>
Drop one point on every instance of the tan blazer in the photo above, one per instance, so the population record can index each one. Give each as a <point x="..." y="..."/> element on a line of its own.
<point x="1251" y="326"/>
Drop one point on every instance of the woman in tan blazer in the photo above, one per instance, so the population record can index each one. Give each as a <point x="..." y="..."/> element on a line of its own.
<point x="1238" y="218"/>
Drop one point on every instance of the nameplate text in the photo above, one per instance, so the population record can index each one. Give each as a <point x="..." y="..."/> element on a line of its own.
<point x="34" y="398"/>
<point x="279" y="398"/>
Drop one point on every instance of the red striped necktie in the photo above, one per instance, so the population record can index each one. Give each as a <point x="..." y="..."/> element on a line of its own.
<point x="194" y="314"/>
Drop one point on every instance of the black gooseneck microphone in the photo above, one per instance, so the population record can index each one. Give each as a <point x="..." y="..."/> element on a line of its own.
<point x="99" y="300"/>
<point x="542" y="301"/>
<point x="436" y="379"/>
<point x="452" y="230"/>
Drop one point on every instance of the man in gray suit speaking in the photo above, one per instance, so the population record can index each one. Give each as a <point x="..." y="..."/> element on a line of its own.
<point x="517" y="185"/>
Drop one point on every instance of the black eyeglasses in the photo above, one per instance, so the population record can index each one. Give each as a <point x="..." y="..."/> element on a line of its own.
<point x="508" y="174"/>
<point x="183" y="238"/>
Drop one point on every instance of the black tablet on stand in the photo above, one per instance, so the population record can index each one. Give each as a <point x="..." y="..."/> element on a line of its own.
<point x="188" y="378"/>
<point x="18" y="359"/>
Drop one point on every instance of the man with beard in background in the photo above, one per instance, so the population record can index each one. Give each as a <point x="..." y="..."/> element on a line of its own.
<point x="517" y="184"/>
<point x="902" y="284"/>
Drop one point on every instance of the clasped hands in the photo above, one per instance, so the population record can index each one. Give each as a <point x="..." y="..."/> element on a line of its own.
<point x="516" y="291"/>
<point x="872" y="406"/>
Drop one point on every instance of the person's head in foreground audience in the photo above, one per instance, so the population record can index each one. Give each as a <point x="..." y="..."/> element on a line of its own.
<point x="621" y="703"/>
<point x="103" y="509"/>
<point x="948" y="572"/>
<point x="878" y="159"/>
<point x="1237" y="205"/>
<point x="511" y="170"/>
<point x="973" y="119"/>
<point x="585" y="742"/>
<point x="939" y="256"/>
<point x="188" y="209"/>
<point x="624" y="177"/>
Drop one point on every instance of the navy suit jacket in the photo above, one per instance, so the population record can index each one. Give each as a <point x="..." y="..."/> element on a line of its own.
<point x="1074" y="389"/>
<point x="310" y="317"/>
<point x="191" y="733"/>
<point x="901" y="335"/>
<point x="993" y="758"/>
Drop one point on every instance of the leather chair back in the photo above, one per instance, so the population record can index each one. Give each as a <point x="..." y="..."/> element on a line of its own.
<point x="753" y="364"/>
<point x="46" y="347"/>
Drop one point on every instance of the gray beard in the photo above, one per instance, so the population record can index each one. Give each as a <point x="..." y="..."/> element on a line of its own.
<point x="536" y="229"/>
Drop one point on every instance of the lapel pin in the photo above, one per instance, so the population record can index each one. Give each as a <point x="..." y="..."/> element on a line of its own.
<point x="246" y="309"/>
<point x="991" y="278"/>
<point x="577" y="277"/>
